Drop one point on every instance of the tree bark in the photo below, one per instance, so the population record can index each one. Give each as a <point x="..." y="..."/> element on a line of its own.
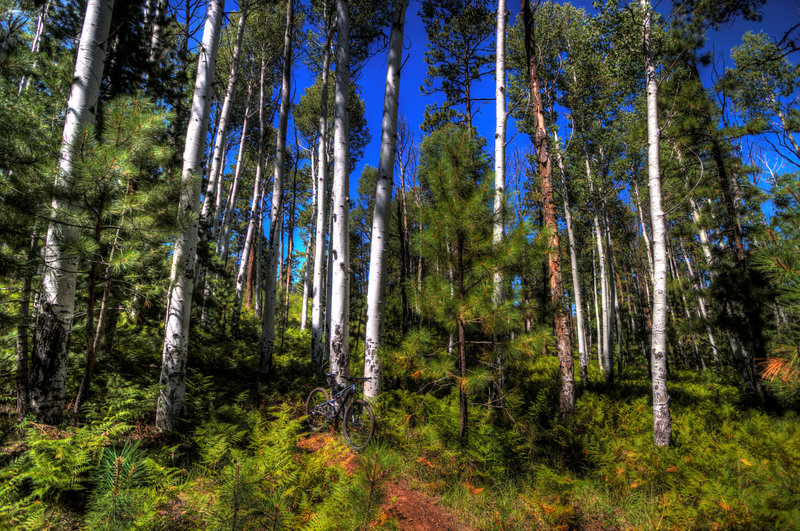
<point x="597" y="320"/>
<point x="583" y="353"/>
<point x="376" y="287"/>
<point x="95" y="337"/>
<point x="276" y="207"/>
<point x="48" y="367"/>
<point x="225" y="232"/>
<point x="317" y="322"/>
<point x="501" y="119"/>
<point x="255" y="204"/>
<point x="218" y="158"/>
<point x="567" y="395"/>
<point x="607" y="341"/>
<point x="662" y="422"/>
<point x="172" y="395"/>
<point x="340" y="242"/>
<point x="23" y="326"/>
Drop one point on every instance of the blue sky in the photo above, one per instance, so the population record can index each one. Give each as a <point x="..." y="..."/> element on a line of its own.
<point x="778" y="16"/>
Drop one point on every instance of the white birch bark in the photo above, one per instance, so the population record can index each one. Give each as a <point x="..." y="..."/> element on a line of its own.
<point x="317" y="322"/>
<point x="259" y="256"/>
<point x="310" y="251"/>
<point x="606" y="343"/>
<point x="25" y="82"/>
<point x="501" y="119"/>
<point x="225" y="228"/>
<point x="48" y="369"/>
<point x="645" y="236"/>
<point x="218" y="159"/>
<point x="701" y="300"/>
<point x="252" y="225"/>
<point x="340" y="242"/>
<point x="597" y="320"/>
<point x="702" y="235"/>
<point x="172" y="395"/>
<point x="583" y="353"/>
<point x="276" y="206"/>
<point x="662" y="423"/>
<point x="376" y="287"/>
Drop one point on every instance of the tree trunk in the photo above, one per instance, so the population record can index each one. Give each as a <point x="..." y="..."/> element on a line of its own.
<point x="179" y="302"/>
<point x="645" y="235"/>
<point x="276" y="207"/>
<point x="23" y="326"/>
<point x="218" y="159"/>
<point x="244" y="263"/>
<point x="605" y="299"/>
<point x="499" y="139"/>
<point x="156" y="33"/>
<point x="573" y="259"/>
<point x="597" y="320"/>
<point x="376" y="288"/>
<point x="48" y="367"/>
<point x="96" y="335"/>
<point x="225" y="232"/>
<point x="701" y="301"/>
<point x="340" y="242"/>
<point x="317" y="307"/>
<point x="567" y="396"/>
<point x="662" y="422"/>
<point x="290" y="232"/>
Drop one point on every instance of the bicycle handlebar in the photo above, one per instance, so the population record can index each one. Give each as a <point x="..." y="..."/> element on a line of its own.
<point x="350" y="378"/>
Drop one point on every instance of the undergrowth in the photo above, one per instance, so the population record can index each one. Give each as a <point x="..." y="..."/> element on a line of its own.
<point x="236" y="462"/>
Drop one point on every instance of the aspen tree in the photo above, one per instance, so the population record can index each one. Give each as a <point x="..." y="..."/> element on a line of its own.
<point x="172" y="394"/>
<point x="662" y="422"/>
<point x="340" y="241"/>
<point x="210" y="202"/>
<point x="376" y="290"/>
<point x="317" y="322"/>
<point x="48" y="367"/>
<point x="501" y="119"/>
<point x="276" y="206"/>
<point x="255" y="203"/>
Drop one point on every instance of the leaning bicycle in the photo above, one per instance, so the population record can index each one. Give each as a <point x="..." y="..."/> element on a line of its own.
<point x="325" y="406"/>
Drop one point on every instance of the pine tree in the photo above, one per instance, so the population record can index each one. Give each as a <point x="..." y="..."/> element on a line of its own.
<point x="457" y="237"/>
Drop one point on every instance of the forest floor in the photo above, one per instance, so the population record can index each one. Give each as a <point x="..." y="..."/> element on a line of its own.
<point x="411" y="509"/>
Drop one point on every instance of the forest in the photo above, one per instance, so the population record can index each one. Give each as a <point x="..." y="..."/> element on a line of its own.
<point x="559" y="265"/>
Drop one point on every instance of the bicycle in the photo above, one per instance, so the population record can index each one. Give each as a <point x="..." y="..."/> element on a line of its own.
<point x="358" y="419"/>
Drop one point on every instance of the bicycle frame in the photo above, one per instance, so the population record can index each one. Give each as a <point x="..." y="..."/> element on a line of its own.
<point x="339" y="400"/>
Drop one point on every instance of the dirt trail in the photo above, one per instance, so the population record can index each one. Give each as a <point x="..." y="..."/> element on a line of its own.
<point x="413" y="510"/>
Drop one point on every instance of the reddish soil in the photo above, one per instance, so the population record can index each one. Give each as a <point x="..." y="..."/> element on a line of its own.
<point x="412" y="509"/>
<point x="415" y="510"/>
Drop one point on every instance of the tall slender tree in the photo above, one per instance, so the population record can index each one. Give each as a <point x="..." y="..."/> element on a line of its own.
<point x="339" y="336"/>
<point x="567" y="395"/>
<point x="662" y="422"/>
<point x="276" y="205"/>
<point x="376" y="290"/>
<point x="47" y="389"/>
<point x="172" y="395"/>
<point x="501" y="119"/>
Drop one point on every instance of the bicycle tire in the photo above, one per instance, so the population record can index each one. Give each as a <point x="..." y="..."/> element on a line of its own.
<point x="359" y="424"/>
<point x="316" y="408"/>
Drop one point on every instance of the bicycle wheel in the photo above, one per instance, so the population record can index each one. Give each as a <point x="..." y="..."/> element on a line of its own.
<point x="359" y="424"/>
<point x="317" y="408"/>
